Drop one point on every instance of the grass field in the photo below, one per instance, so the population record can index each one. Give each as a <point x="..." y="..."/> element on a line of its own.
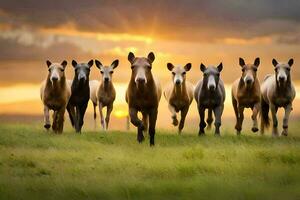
<point x="39" y="165"/>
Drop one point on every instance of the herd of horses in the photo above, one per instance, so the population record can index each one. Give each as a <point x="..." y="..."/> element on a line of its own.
<point x="144" y="92"/>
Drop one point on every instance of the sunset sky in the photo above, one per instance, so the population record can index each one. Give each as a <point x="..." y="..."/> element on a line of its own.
<point x="211" y="32"/>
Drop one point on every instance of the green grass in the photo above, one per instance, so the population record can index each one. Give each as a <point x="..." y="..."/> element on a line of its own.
<point x="39" y="165"/>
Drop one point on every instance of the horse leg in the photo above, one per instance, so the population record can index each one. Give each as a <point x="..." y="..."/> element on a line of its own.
<point x="95" y="115"/>
<point x="183" y="113"/>
<point x="236" y="112"/>
<point x="137" y="123"/>
<point x="77" y="119"/>
<point x="209" y="119"/>
<point x="202" y="124"/>
<point x="72" y="116"/>
<point x="145" y="121"/>
<point x="54" y="122"/>
<point x="108" y="112"/>
<point x="82" y="110"/>
<point x="255" y="111"/>
<point x="287" y="111"/>
<point x="60" y="120"/>
<point x="218" y="114"/>
<point x="240" y="120"/>
<point x="173" y="115"/>
<point x="47" y="124"/>
<point x="101" y="116"/>
<point x="152" y="123"/>
<point x="273" y="109"/>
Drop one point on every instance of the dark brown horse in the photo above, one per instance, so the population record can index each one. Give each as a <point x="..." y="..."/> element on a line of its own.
<point x="143" y="95"/>
<point x="277" y="91"/>
<point x="245" y="93"/>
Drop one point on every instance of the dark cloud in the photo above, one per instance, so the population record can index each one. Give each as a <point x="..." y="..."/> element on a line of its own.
<point x="169" y="19"/>
<point x="14" y="51"/>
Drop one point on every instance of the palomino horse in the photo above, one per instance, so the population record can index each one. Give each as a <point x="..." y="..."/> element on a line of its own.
<point x="55" y="94"/>
<point x="179" y="93"/>
<point x="245" y="93"/>
<point x="143" y="95"/>
<point x="104" y="93"/>
<point x="210" y="94"/>
<point x="277" y="91"/>
<point x="80" y="94"/>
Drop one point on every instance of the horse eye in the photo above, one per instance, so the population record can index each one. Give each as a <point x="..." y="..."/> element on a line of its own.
<point x="101" y="72"/>
<point x="173" y="73"/>
<point x="111" y="72"/>
<point x="243" y="70"/>
<point x="183" y="73"/>
<point x="255" y="69"/>
<point x="288" y="69"/>
<point x="149" y="67"/>
<point x="62" y="70"/>
<point x="132" y="66"/>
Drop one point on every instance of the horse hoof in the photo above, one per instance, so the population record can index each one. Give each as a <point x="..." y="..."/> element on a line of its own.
<point x="47" y="126"/>
<point x="254" y="129"/>
<point x="175" y="122"/>
<point x="201" y="133"/>
<point x="284" y="133"/>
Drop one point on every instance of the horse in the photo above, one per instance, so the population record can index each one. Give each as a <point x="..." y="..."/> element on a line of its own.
<point x="277" y="91"/>
<point x="55" y="94"/>
<point x="179" y="93"/>
<point x="104" y="93"/>
<point x="80" y="94"/>
<point x="245" y="93"/>
<point x="143" y="95"/>
<point x="210" y="94"/>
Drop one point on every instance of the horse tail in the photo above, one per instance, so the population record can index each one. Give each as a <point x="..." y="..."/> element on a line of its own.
<point x="265" y="120"/>
<point x="209" y="119"/>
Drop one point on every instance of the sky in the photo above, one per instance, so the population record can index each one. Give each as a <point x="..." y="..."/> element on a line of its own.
<point x="179" y="32"/>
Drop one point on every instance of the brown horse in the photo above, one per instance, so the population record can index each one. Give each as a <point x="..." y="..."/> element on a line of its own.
<point x="55" y="94"/>
<point x="143" y="95"/>
<point x="179" y="93"/>
<point x="277" y="91"/>
<point x="245" y="93"/>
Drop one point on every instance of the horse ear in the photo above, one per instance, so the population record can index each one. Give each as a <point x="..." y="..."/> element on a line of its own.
<point x="98" y="64"/>
<point x="170" y="66"/>
<point x="291" y="62"/>
<point x="48" y="63"/>
<point x="242" y="62"/>
<point x="257" y="62"/>
<point x="64" y="63"/>
<point x="90" y="63"/>
<point x="274" y="62"/>
<point x="220" y="67"/>
<point x="131" y="57"/>
<point x="151" y="57"/>
<point x="202" y="67"/>
<point x="187" y="67"/>
<point x="115" y="64"/>
<point x="74" y="63"/>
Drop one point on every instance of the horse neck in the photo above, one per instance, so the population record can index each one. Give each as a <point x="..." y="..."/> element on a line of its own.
<point x="283" y="89"/>
<point x="242" y="85"/>
<point x="76" y="83"/>
<point x="179" y="90"/>
<point x="58" y="86"/>
<point x="107" y="86"/>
